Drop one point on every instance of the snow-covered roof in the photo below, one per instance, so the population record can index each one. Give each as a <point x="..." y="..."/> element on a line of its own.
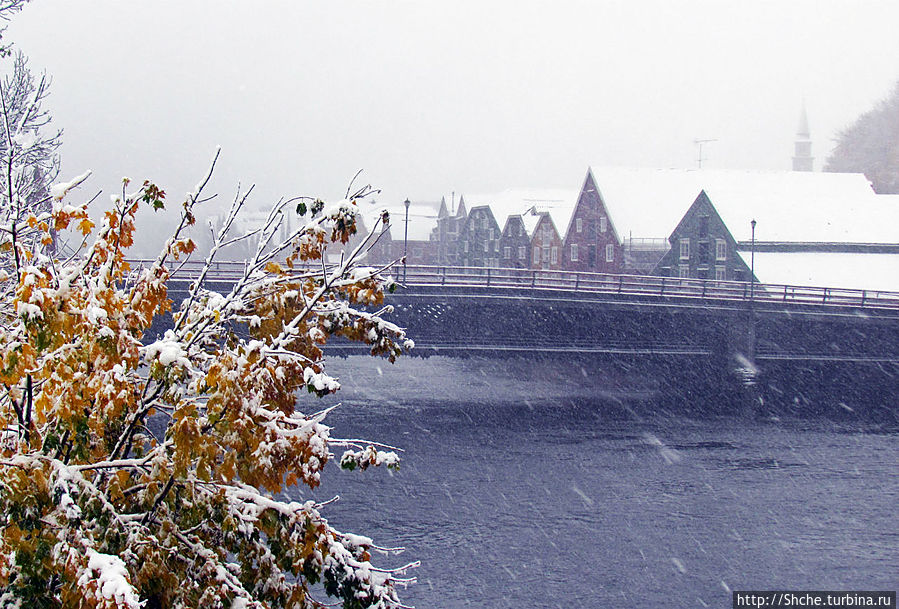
<point x="529" y="203"/>
<point x="422" y="218"/>
<point x="862" y="271"/>
<point x="787" y="205"/>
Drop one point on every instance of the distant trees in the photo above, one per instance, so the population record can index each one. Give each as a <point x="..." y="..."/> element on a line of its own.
<point x="871" y="146"/>
<point x="29" y="159"/>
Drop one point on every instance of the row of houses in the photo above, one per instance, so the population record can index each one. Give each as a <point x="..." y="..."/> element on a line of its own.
<point x="800" y="228"/>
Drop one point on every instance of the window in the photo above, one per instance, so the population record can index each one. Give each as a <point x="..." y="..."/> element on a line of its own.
<point x="555" y="255"/>
<point x="490" y="234"/>
<point x="703" y="226"/>
<point x="486" y="246"/>
<point x="720" y="249"/>
<point x="578" y="226"/>
<point x="684" y="250"/>
<point x="610" y="252"/>
<point x="536" y="254"/>
<point x="574" y="252"/>
<point x="507" y="253"/>
<point x="704" y="252"/>
<point x="546" y="254"/>
<point x="465" y="246"/>
<point x="683" y="271"/>
<point x="720" y="273"/>
<point x="603" y="224"/>
<point x="484" y="221"/>
<point x="521" y="252"/>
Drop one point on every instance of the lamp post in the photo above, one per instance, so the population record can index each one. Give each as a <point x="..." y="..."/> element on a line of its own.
<point x="405" y="238"/>
<point x="752" y="262"/>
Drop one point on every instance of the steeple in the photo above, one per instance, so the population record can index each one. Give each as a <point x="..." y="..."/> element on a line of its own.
<point x="802" y="155"/>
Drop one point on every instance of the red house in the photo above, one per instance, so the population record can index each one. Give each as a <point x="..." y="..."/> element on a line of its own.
<point x="591" y="242"/>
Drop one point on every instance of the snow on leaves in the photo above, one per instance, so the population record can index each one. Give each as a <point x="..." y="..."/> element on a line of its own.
<point x="98" y="511"/>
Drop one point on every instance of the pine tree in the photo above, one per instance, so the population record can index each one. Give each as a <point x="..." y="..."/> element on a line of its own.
<point x="871" y="146"/>
<point x="98" y="511"/>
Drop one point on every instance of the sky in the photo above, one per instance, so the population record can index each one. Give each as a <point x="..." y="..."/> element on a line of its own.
<point x="431" y="97"/>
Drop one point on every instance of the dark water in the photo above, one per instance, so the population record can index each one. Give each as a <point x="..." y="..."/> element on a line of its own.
<point x="520" y="488"/>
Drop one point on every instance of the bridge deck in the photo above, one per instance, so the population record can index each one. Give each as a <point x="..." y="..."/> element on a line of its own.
<point x="501" y="279"/>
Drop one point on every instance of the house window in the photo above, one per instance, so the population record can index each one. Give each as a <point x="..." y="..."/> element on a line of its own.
<point x="610" y="252"/>
<point x="704" y="252"/>
<point x="574" y="252"/>
<point x="555" y="255"/>
<point x="546" y="254"/>
<point x="578" y="226"/>
<point x="683" y="270"/>
<point x="486" y="246"/>
<point x="684" y="250"/>
<point x="603" y="224"/>
<point x="484" y="221"/>
<point x="465" y="246"/>
<point x="703" y="226"/>
<point x="536" y="254"/>
<point x="720" y="249"/>
<point x="507" y="253"/>
<point x="521" y="252"/>
<point x="720" y="273"/>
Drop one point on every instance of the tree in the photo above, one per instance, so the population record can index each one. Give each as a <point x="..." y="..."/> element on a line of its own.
<point x="871" y="146"/>
<point x="29" y="161"/>
<point x="96" y="510"/>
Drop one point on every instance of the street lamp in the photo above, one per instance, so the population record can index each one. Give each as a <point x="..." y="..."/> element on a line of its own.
<point x="405" y="238"/>
<point x="752" y="262"/>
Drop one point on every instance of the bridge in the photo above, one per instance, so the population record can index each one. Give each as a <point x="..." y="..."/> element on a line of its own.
<point x="783" y="340"/>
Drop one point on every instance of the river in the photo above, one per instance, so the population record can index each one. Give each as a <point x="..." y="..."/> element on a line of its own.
<point x="531" y="485"/>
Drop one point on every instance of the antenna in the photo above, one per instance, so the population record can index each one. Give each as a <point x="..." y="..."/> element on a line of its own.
<point x="700" y="143"/>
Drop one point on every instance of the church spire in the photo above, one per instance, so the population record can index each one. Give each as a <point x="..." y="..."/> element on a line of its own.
<point x="802" y="156"/>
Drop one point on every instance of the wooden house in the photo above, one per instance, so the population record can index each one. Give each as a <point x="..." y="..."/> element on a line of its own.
<point x="515" y="244"/>
<point x="450" y="220"/>
<point x="591" y="242"/>
<point x="702" y="247"/>
<point x="520" y="211"/>
<point x="479" y="238"/>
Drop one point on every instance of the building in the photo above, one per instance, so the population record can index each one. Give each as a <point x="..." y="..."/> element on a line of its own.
<point x="521" y="211"/>
<point x="702" y="247"/>
<point x="446" y="233"/>
<point x="741" y="213"/>
<point x="802" y="153"/>
<point x="591" y="242"/>
<point x="479" y="238"/>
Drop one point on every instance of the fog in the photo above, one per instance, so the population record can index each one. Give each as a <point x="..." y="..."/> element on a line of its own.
<point x="432" y="97"/>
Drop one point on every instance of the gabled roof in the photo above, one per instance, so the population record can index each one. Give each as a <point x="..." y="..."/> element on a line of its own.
<point x="530" y="203"/>
<point x="787" y="205"/>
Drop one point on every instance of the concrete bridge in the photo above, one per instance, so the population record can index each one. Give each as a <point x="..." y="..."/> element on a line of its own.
<point x="773" y="342"/>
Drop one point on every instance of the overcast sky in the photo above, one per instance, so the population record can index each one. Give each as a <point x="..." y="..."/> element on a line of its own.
<point x="430" y="97"/>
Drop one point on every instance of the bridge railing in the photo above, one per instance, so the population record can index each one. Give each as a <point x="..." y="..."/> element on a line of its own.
<point x="584" y="282"/>
<point x="643" y="285"/>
